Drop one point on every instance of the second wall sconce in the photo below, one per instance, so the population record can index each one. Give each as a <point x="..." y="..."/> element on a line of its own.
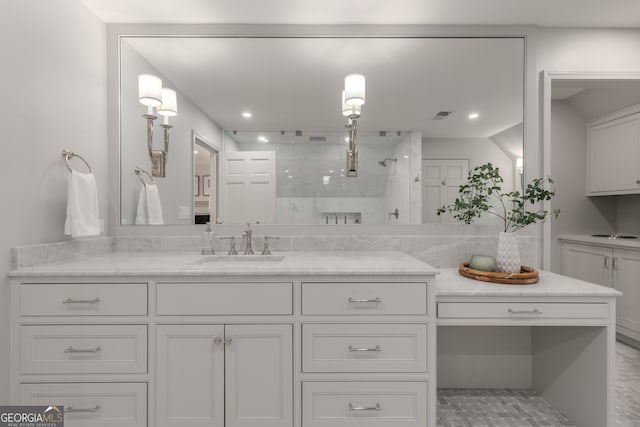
<point x="353" y="98"/>
<point x="153" y="95"/>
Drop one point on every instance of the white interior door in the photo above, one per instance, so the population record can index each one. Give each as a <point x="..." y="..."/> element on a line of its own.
<point x="248" y="187"/>
<point x="441" y="179"/>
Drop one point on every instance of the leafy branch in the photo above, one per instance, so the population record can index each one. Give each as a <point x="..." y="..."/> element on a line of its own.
<point x="485" y="183"/>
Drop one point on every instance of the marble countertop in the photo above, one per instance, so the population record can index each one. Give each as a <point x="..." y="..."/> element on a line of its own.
<point x="601" y="241"/>
<point x="450" y="283"/>
<point x="194" y="264"/>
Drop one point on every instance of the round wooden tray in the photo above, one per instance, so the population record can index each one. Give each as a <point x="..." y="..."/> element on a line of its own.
<point x="527" y="275"/>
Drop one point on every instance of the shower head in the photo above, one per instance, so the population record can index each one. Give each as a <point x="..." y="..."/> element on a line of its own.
<point x="383" y="163"/>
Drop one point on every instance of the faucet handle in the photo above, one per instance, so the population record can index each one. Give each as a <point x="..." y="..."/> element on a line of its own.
<point x="232" y="244"/>
<point x="265" y="250"/>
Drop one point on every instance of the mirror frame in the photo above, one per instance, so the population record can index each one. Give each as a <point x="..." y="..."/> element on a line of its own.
<point x="531" y="145"/>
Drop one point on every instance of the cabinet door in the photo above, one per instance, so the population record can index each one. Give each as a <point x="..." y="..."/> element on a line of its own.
<point x="614" y="152"/>
<point x="589" y="263"/>
<point x="626" y="279"/>
<point x="190" y="376"/>
<point x="259" y="377"/>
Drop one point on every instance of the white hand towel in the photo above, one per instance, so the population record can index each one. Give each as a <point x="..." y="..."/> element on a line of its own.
<point x="83" y="217"/>
<point x="141" y="210"/>
<point x="149" y="210"/>
<point x="154" y="208"/>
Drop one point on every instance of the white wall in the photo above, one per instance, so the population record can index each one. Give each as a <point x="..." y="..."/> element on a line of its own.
<point x="53" y="96"/>
<point x="578" y="214"/>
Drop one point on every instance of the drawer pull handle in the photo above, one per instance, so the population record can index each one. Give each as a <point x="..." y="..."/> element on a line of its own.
<point x="80" y="350"/>
<point x="534" y="311"/>
<point x="81" y="301"/>
<point x="70" y="408"/>
<point x="374" y="300"/>
<point x="365" y="408"/>
<point x="354" y="349"/>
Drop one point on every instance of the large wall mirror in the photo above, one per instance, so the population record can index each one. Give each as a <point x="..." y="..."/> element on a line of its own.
<point x="259" y="133"/>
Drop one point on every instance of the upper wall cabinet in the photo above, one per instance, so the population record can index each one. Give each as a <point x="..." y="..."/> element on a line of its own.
<point x="613" y="154"/>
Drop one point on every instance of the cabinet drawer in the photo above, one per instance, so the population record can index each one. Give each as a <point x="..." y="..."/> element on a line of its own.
<point x="364" y="298"/>
<point x="83" y="349"/>
<point x="92" y="405"/>
<point x="364" y="348"/>
<point x="224" y="298"/>
<point x="520" y="311"/>
<point x="348" y="404"/>
<point x="83" y="299"/>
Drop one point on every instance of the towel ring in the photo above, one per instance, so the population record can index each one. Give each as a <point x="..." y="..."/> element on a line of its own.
<point x="139" y="170"/>
<point x="68" y="154"/>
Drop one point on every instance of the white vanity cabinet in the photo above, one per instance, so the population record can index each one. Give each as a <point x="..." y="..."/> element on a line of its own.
<point x="82" y="345"/>
<point x="224" y="375"/>
<point x="613" y="267"/>
<point x="368" y="353"/>
<point x="613" y="154"/>
<point x="321" y="339"/>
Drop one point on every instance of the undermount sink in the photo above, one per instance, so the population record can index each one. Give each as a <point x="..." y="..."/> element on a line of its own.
<point x="614" y="236"/>
<point x="238" y="258"/>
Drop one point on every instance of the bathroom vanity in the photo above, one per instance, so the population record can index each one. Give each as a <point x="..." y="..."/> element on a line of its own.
<point x="174" y="339"/>
<point x="298" y="339"/>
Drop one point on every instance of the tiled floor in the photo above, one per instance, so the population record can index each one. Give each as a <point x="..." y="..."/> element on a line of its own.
<point x="515" y="408"/>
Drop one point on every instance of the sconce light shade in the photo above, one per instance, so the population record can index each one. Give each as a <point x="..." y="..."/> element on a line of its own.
<point x="348" y="110"/>
<point x="354" y="89"/>
<point x="169" y="106"/>
<point x="519" y="165"/>
<point x="149" y="90"/>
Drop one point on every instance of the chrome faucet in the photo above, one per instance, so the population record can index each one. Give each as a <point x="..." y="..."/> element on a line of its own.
<point x="247" y="237"/>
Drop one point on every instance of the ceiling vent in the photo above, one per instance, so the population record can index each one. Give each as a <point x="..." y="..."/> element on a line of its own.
<point x="317" y="139"/>
<point x="442" y="115"/>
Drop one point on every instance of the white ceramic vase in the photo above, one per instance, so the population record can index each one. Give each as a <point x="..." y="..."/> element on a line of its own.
<point x="508" y="256"/>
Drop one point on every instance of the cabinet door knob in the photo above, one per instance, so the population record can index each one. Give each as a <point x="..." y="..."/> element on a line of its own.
<point x="217" y="340"/>
<point x="228" y="340"/>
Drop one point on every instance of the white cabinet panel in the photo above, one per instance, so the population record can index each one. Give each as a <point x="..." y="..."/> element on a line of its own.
<point x="224" y="298"/>
<point x="83" y="299"/>
<point x="190" y="376"/>
<point x="589" y="263"/>
<point x="517" y="311"/>
<point x="259" y="376"/>
<point x="83" y="349"/>
<point x="92" y="404"/>
<point x="349" y="404"/>
<point x="364" y="348"/>
<point x="626" y="279"/>
<point x="364" y="298"/>
<point x="614" y="156"/>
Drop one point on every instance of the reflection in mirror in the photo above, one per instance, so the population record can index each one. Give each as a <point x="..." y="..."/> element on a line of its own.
<point x="425" y="88"/>
<point x="205" y="181"/>
<point x="305" y="173"/>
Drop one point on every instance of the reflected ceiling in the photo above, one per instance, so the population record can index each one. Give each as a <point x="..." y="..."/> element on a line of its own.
<point x="295" y="83"/>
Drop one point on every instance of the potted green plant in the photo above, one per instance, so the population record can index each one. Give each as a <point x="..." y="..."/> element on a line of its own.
<point x="484" y="183"/>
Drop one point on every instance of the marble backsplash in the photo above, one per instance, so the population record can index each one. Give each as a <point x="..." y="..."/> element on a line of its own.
<point x="437" y="250"/>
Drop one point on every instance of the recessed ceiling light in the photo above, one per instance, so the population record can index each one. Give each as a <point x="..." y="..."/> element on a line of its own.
<point x="247" y="115"/>
<point x="263" y="138"/>
<point x="473" y="116"/>
<point x="195" y="151"/>
<point x="405" y="157"/>
<point x="331" y="171"/>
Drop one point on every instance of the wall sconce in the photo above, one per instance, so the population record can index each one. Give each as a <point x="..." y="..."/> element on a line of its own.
<point x="353" y="98"/>
<point x="520" y="170"/>
<point x="153" y="95"/>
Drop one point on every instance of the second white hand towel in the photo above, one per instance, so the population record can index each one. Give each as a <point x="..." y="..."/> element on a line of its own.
<point x="154" y="207"/>
<point x="141" y="210"/>
<point x="83" y="216"/>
